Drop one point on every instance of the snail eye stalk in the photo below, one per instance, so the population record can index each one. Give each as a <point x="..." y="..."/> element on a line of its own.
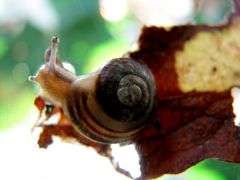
<point x="53" y="56"/>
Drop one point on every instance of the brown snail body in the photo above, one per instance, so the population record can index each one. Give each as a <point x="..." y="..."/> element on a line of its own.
<point x="109" y="106"/>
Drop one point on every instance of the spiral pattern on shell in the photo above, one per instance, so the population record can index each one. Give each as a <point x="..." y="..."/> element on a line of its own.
<point x="126" y="90"/>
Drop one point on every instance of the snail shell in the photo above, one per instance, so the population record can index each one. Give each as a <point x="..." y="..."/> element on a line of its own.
<point x="114" y="104"/>
<point x="109" y="106"/>
<point x="125" y="89"/>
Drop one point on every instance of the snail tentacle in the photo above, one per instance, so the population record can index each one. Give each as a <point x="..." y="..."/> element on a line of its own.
<point x="53" y="55"/>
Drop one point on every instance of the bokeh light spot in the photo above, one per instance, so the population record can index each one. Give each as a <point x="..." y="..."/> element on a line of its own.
<point x="20" y="51"/>
<point x="113" y="10"/>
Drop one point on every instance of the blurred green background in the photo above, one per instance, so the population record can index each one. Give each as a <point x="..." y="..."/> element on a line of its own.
<point x="91" y="33"/>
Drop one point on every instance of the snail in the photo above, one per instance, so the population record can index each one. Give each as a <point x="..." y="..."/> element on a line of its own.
<point x="111" y="105"/>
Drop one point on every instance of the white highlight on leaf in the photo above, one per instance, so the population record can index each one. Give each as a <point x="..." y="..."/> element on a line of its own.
<point x="127" y="158"/>
<point x="236" y="105"/>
